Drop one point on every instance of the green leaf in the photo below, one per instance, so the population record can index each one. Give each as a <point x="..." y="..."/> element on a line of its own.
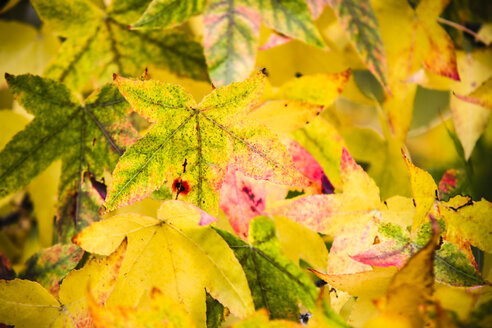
<point x="291" y="18"/>
<point x="87" y="138"/>
<point x="50" y="265"/>
<point x="189" y="146"/>
<point x="231" y="36"/>
<point x="359" y="20"/>
<point x="101" y="44"/>
<point x="168" y="13"/>
<point x="276" y="283"/>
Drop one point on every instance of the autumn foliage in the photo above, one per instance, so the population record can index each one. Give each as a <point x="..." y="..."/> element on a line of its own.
<point x="248" y="163"/>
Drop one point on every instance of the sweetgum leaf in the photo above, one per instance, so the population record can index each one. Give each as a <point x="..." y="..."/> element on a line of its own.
<point x="231" y="37"/>
<point x="99" y="43"/>
<point x="291" y="18"/>
<point x="50" y="265"/>
<point x="413" y="286"/>
<point x="231" y="29"/>
<point x="435" y="52"/>
<point x="25" y="303"/>
<point x="168" y="13"/>
<point x="175" y="253"/>
<point x="86" y="137"/>
<point x="359" y="20"/>
<point x="189" y="146"/>
<point x="276" y="283"/>
<point x="452" y="266"/>
<point x="160" y="311"/>
<point x="424" y="190"/>
<point x="468" y="221"/>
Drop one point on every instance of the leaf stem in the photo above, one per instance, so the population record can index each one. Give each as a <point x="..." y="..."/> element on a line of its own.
<point x="461" y="28"/>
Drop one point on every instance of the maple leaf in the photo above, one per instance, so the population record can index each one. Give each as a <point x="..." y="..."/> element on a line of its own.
<point x="276" y="283"/>
<point x="99" y="43"/>
<point x="189" y="146"/>
<point x="359" y="20"/>
<point x="25" y="303"/>
<point x="174" y="253"/>
<point x="86" y="137"/>
<point x="413" y="41"/>
<point x="50" y="265"/>
<point x="243" y="198"/>
<point x="411" y="289"/>
<point x="395" y="247"/>
<point x="231" y="29"/>
<point x="160" y="311"/>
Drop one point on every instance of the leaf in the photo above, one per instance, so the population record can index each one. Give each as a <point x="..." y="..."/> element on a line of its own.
<point x="434" y="51"/>
<point x="24" y="43"/>
<point x="175" y="253"/>
<point x="316" y="7"/>
<point x="424" y="191"/>
<point x="319" y="89"/>
<point x="284" y="116"/>
<point x="291" y="18"/>
<point x="168" y="13"/>
<point x="310" y="168"/>
<point x="362" y="284"/>
<point x="50" y="265"/>
<point x="25" y="303"/>
<point x="190" y="146"/>
<point x="276" y="283"/>
<point x="329" y="213"/>
<point x="412" y="287"/>
<point x="468" y="221"/>
<point x="452" y="267"/>
<point x="481" y="95"/>
<point x="161" y="311"/>
<point x="241" y="199"/>
<point x="99" y="43"/>
<point x="85" y="137"/>
<point x="359" y="20"/>
<point x="469" y="119"/>
<point x="451" y="183"/>
<point x="260" y="319"/>
<point x="231" y="37"/>
<point x="292" y="234"/>
<point x="325" y="144"/>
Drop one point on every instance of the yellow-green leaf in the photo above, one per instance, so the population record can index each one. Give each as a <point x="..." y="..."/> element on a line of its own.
<point x="189" y="146"/>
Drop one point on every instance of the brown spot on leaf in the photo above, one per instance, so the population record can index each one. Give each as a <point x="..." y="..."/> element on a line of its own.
<point x="180" y="187"/>
<point x="376" y="240"/>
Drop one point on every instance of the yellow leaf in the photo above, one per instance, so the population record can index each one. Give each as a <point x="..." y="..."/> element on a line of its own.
<point x="284" y="116"/>
<point x="291" y="235"/>
<point x="160" y="312"/>
<point x="29" y="49"/>
<point x="260" y="320"/>
<point x="27" y="304"/>
<point x="174" y="253"/>
<point x="424" y="191"/>
<point x="370" y="284"/>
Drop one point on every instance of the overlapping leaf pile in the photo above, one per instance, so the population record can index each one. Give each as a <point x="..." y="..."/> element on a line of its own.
<point x="286" y="196"/>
